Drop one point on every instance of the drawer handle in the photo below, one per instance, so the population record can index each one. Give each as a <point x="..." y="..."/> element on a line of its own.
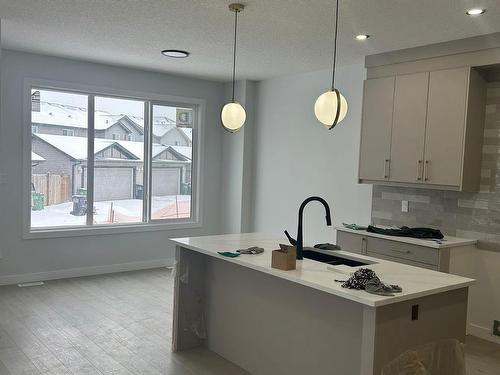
<point x="401" y="251"/>
<point x="419" y="170"/>
<point x="387" y="168"/>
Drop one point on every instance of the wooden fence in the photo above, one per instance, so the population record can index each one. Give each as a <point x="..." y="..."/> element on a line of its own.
<point x="55" y="188"/>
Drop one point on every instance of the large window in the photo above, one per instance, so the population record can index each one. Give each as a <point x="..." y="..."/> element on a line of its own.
<point x="101" y="161"/>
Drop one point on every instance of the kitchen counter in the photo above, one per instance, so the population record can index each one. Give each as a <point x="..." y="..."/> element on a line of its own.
<point x="446" y="242"/>
<point x="269" y="321"/>
<point x="322" y="277"/>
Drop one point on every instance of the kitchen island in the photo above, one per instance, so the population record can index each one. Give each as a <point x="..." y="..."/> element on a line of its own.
<point x="269" y="321"/>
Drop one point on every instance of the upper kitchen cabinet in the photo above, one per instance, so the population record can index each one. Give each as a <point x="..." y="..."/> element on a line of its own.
<point x="452" y="94"/>
<point x="408" y="127"/>
<point x="375" y="151"/>
<point x="429" y="134"/>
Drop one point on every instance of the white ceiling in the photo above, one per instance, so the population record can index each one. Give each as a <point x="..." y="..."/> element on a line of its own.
<point x="276" y="37"/>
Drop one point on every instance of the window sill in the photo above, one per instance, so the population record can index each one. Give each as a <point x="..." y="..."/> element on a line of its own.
<point x="108" y="229"/>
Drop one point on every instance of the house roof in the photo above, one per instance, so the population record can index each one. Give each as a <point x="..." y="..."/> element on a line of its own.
<point x="36" y="157"/>
<point x="76" y="117"/>
<point x="185" y="151"/>
<point x="76" y="147"/>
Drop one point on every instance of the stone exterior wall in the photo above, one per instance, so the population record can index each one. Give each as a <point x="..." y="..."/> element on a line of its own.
<point x="473" y="215"/>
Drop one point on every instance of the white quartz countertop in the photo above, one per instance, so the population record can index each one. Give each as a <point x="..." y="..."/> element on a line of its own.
<point x="416" y="282"/>
<point x="446" y="242"/>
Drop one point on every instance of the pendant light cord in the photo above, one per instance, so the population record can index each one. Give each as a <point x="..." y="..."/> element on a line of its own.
<point x="335" y="43"/>
<point x="234" y="47"/>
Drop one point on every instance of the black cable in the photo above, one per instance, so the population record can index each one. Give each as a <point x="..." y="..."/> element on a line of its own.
<point x="234" y="47"/>
<point x="335" y="43"/>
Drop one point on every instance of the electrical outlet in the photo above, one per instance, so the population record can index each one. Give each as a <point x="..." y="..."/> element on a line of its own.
<point x="404" y="206"/>
<point x="496" y="327"/>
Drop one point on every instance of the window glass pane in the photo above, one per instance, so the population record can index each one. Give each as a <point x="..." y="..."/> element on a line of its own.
<point x="58" y="157"/>
<point x="172" y="154"/>
<point x="118" y="161"/>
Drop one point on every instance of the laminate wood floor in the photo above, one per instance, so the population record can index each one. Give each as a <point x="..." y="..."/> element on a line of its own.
<point x="120" y="324"/>
<point x="109" y="324"/>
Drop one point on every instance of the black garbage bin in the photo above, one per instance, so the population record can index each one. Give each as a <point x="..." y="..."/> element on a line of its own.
<point x="139" y="192"/>
<point x="79" y="205"/>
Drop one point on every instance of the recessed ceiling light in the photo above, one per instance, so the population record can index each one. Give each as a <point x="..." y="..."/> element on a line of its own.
<point x="475" y="11"/>
<point x="175" y="53"/>
<point x="362" y="36"/>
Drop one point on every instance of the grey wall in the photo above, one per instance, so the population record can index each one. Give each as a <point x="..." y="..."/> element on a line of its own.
<point x="296" y="157"/>
<point x="120" y="131"/>
<point x="58" y="130"/>
<point x="55" y="160"/>
<point x="23" y="256"/>
<point x="237" y="164"/>
<point x="172" y="137"/>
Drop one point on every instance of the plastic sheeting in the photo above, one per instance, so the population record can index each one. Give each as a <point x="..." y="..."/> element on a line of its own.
<point x="195" y="322"/>
<point x="444" y="357"/>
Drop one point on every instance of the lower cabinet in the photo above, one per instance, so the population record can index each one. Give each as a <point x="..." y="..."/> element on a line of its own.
<point x="396" y="251"/>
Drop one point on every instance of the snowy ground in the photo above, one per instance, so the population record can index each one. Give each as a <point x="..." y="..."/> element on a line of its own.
<point x="130" y="209"/>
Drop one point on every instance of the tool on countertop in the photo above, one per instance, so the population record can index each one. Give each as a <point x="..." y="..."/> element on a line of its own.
<point x="229" y="254"/>
<point x="251" y="250"/>
<point x="354" y="226"/>
<point x="420" y="233"/>
<point x="327" y="246"/>
<point x="367" y="280"/>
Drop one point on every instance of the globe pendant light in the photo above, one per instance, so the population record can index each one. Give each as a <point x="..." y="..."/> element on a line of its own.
<point x="233" y="114"/>
<point x="331" y="107"/>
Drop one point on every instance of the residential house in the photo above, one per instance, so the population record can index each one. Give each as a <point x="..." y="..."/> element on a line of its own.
<point x="119" y="165"/>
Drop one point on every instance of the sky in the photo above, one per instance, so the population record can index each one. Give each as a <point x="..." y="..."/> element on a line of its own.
<point x="112" y="105"/>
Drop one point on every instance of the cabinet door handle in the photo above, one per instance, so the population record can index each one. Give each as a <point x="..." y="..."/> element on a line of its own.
<point x="387" y="163"/>
<point x="401" y="251"/>
<point x="419" y="170"/>
<point x="363" y="246"/>
<point x="426" y="174"/>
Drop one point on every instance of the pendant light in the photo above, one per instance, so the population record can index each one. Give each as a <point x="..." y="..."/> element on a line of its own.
<point x="331" y="107"/>
<point x="233" y="114"/>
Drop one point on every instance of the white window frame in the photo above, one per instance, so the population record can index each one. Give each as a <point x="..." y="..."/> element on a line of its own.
<point x="199" y="107"/>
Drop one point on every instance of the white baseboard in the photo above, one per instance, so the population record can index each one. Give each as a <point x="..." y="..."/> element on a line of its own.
<point x="482" y="333"/>
<point x="84" y="271"/>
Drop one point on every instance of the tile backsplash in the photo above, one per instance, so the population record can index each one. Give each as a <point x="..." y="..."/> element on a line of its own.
<point x="470" y="215"/>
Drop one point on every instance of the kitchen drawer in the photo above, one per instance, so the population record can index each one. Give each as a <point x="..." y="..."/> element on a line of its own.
<point x="354" y="243"/>
<point x="405" y="251"/>
<point x="403" y="261"/>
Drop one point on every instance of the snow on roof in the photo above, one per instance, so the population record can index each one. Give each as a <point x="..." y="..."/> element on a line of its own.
<point x="185" y="151"/>
<point x="76" y="117"/>
<point x="163" y="120"/>
<point x="76" y="147"/>
<point x="58" y="114"/>
<point x="36" y="157"/>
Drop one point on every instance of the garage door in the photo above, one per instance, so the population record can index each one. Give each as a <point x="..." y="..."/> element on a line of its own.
<point x="166" y="181"/>
<point x="113" y="184"/>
